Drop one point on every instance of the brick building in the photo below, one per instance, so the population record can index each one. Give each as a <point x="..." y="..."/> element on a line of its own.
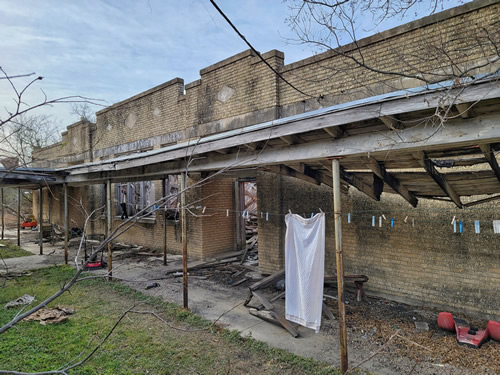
<point x="420" y="259"/>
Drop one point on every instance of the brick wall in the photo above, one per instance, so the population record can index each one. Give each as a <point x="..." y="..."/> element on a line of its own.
<point x="424" y="264"/>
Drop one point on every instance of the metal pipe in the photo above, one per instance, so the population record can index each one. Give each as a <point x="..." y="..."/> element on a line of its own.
<point x="18" y="216"/>
<point x="66" y="223"/>
<point x="337" y="212"/>
<point x="108" y="228"/>
<point x="184" y="240"/>
<point x="40" y="209"/>
<point x="164" y="194"/>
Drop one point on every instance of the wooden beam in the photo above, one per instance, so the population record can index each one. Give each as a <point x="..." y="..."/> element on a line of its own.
<point x="334" y="131"/>
<point x="66" y="223"/>
<point x="440" y="179"/>
<point x="109" y="221"/>
<point x="164" y="211"/>
<point x="489" y="154"/>
<point x="373" y="191"/>
<point x="465" y="110"/>
<point x="19" y="217"/>
<point x="391" y="122"/>
<point x="287" y="171"/>
<point x="184" y="240"/>
<point x="481" y="201"/>
<point x="40" y="226"/>
<point x="456" y="133"/>
<point x="291" y="139"/>
<point x="379" y="170"/>
<point x="222" y="151"/>
<point x="337" y="215"/>
<point x="3" y="213"/>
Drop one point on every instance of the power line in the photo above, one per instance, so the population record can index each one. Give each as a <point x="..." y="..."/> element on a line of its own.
<point x="257" y="52"/>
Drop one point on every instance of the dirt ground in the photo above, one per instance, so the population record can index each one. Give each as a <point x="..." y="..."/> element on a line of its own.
<point x="375" y="326"/>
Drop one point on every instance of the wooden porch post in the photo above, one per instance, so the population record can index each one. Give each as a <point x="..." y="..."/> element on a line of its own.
<point x="66" y="223"/>
<point x="108" y="228"/>
<point x="18" y="216"/>
<point x="337" y="212"/>
<point x="164" y="194"/>
<point x="3" y="214"/>
<point x="40" y="214"/>
<point x="184" y="240"/>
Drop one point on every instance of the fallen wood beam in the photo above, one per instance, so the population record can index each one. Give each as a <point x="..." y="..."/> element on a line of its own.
<point x="481" y="201"/>
<point x="379" y="170"/>
<point x="275" y="298"/>
<point x="440" y="179"/>
<point x="489" y="154"/>
<point x="275" y="318"/>
<point x="327" y="311"/>
<point x="268" y="305"/>
<point x="239" y="281"/>
<point x="273" y="278"/>
<point x="205" y="265"/>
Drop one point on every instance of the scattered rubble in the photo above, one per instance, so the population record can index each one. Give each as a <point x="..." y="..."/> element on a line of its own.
<point x="54" y="315"/>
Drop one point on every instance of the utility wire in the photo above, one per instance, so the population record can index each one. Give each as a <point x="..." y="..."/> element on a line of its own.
<point x="257" y="52"/>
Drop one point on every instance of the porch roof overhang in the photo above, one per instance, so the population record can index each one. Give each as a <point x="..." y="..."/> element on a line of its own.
<point x="394" y="143"/>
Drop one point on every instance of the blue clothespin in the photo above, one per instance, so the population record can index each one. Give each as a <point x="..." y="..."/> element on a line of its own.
<point x="477" y="226"/>
<point x="461" y="226"/>
<point x="349" y="218"/>
<point x="373" y="221"/>
<point x="392" y="222"/>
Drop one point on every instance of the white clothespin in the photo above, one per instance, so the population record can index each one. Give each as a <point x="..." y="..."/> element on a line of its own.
<point x="289" y="211"/>
<point x="406" y="218"/>
<point x="384" y="217"/>
<point x="320" y="210"/>
<point x="380" y="221"/>
<point x="244" y="213"/>
<point x="267" y="216"/>
<point x="412" y="222"/>
<point x="453" y="220"/>
<point x="204" y="208"/>
<point x="248" y="214"/>
<point x="349" y="217"/>
<point x="261" y="214"/>
<point x="227" y="212"/>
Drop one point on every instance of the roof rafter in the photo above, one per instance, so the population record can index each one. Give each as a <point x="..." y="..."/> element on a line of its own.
<point x="440" y="179"/>
<point x="489" y="154"/>
<point x="378" y="169"/>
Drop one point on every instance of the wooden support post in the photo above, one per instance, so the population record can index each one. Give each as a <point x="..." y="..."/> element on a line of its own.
<point x="40" y="214"/>
<point x="19" y="217"/>
<point x="66" y="223"/>
<point x="108" y="228"/>
<point x="49" y="198"/>
<point x="163" y="195"/>
<point x="184" y="240"/>
<point x="3" y="214"/>
<point x="340" y="264"/>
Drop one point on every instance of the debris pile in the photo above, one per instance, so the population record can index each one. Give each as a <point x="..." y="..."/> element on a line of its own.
<point x="54" y="315"/>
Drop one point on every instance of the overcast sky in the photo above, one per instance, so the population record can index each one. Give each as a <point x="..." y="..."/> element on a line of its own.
<point x="115" y="49"/>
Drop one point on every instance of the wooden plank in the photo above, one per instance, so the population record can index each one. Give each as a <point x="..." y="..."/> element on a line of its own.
<point x="391" y="122"/>
<point x="379" y="170"/>
<point x="334" y="131"/>
<point x="291" y="139"/>
<point x="268" y="305"/>
<point x="273" y="278"/>
<point x="440" y="179"/>
<point x="285" y="323"/>
<point x="491" y="158"/>
<point x="465" y="110"/>
<point x="275" y="318"/>
<point x="327" y="311"/>
<point x="275" y="298"/>
<point x="373" y="191"/>
<point x="481" y="201"/>
<point x="287" y="171"/>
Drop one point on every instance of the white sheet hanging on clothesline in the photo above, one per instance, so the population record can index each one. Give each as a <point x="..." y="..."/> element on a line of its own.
<point x="304" y="269"/>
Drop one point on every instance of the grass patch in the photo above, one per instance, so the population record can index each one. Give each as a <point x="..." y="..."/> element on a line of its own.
<point x="140" y="344"/>
<point x="12" y="251"/>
